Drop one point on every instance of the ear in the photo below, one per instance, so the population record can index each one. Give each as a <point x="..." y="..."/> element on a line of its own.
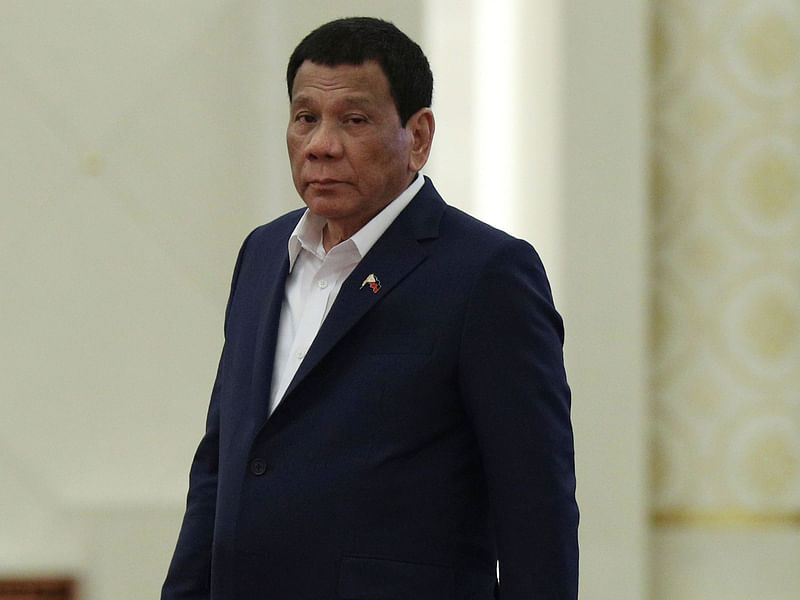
<point x="420" y="128"/>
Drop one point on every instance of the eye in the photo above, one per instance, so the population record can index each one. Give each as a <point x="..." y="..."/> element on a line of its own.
<point x="304" y="118"/>
<point x="355" y="119"/>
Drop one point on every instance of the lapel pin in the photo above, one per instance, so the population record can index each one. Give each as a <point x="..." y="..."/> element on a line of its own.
<point x="373" y="282"/>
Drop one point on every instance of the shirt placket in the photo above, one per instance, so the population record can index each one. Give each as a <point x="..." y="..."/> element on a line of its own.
<point x="319" y="292"/>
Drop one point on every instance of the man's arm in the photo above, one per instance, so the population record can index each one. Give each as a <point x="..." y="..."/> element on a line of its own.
<point x="515" y="390"/>
<point x="189" y="575"/>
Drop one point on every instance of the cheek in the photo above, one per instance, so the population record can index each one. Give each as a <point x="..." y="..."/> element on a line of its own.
<point x="295" y="161"/>
<point x="294" y="142"/>
<point x="291" y="145"/>
<point x="377" y="156"/>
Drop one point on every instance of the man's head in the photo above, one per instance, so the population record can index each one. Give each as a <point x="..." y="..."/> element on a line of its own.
<point x="356" y="40"/>
<point x="353" y="146"/>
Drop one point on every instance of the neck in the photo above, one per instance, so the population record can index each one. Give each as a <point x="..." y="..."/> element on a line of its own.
<point x="332" y="235"/>
<point x="337" y="231"/>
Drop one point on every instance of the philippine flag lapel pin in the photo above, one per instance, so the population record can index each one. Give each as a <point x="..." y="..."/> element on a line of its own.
<point x="373" y="282"/>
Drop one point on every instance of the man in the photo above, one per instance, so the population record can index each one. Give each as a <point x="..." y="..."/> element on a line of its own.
<point x="391" y="415"/>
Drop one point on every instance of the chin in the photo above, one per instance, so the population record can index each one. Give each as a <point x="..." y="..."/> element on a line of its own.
<point x="326" y="205"/>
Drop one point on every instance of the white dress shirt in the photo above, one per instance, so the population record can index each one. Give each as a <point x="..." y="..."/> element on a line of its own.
<point x="314" y="280"/>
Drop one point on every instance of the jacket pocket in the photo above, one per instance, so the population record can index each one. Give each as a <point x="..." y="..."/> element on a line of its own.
<point x="363" y="578"/>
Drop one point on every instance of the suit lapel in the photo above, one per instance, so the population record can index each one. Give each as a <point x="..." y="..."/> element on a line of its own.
<point x="396" y="253"/>
<point x="264" y="359"/>
<point x="272" y="281"/>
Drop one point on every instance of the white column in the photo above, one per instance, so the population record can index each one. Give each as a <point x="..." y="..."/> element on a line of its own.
<point x="543" y="132"/>
<point x="496" y="66"/>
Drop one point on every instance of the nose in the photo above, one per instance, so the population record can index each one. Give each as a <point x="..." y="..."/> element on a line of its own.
<point x="324" y="142"/>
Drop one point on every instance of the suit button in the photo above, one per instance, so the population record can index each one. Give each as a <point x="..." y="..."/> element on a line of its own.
<point x="258" y="466"/>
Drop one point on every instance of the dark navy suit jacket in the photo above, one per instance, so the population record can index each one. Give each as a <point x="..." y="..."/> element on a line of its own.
<point x="425" y="436"/>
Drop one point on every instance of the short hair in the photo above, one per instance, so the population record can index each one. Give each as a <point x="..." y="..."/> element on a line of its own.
<point x="356" y="40"/>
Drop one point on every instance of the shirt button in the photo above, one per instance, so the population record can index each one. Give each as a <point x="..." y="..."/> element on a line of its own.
<point x="322" y="283"/>
<point x="300" y="354"/>
<point x="258" y="466"/>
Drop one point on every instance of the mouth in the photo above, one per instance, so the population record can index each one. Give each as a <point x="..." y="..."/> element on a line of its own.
<point x="321" y="183"/>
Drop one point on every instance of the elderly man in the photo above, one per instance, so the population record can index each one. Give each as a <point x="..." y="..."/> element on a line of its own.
<point x="390" y="416"/>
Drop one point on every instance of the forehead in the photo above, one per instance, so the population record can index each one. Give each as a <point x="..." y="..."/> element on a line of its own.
<point x="367" y="81"/>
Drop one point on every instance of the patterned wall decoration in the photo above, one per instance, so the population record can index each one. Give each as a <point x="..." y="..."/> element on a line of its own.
<point x="726" y="306"/>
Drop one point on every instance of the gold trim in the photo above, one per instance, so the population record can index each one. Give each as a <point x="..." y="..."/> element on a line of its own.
<point x="724" y="518"/>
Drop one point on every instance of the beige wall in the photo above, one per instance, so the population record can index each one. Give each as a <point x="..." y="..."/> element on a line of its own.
<point x="142" y="141"/>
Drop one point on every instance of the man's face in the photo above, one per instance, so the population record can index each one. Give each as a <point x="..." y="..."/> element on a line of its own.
<point x="349" y="152"/>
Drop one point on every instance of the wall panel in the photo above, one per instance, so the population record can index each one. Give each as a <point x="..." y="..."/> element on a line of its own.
<point x="726" y="320"/>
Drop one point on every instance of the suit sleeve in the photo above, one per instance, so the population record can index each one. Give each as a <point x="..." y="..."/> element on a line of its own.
<point x="189" y="574"/>
<point x="515" y="390"/>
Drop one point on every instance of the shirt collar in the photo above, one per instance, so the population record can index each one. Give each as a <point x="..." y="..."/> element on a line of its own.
<point x="307" y="233"/>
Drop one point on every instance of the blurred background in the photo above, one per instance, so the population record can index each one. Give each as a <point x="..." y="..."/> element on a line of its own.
<point x="650" y="150"/>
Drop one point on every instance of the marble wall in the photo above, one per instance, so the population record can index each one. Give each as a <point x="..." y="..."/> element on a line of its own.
<point x="726" y="286"/>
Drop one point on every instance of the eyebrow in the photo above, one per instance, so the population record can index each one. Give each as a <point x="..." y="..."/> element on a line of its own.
<point x="354" y="100"/>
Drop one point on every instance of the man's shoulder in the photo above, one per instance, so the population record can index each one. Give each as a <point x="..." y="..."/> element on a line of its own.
<point x="267" y="242"/>
<point x="280" y="224"/>
<point x="276" y="231"/>
<point x="458" y="220"/>
<point x="477" y="238"/>
<point x="456" y="224"/>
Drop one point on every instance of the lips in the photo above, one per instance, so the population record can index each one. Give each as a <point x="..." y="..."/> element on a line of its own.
<point x="325" y="185"/>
